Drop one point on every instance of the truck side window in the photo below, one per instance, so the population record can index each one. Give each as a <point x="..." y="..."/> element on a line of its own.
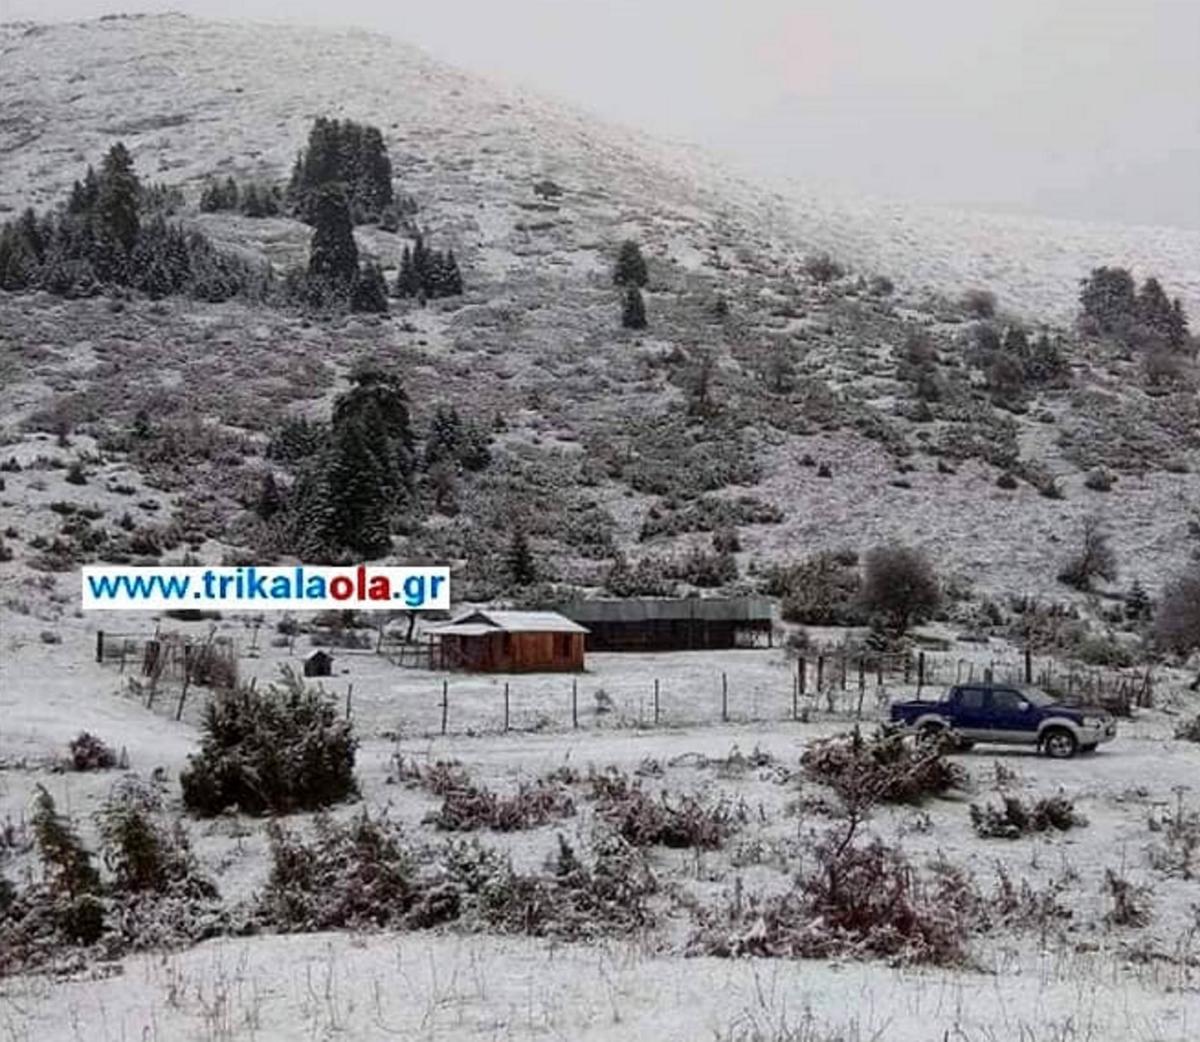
<point x="1007" y="700"/>
<point x="970" y="697"/>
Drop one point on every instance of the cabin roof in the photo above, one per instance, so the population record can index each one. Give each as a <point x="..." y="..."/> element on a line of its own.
<point x="486" y="620"/>
<point x="644" y="609"/>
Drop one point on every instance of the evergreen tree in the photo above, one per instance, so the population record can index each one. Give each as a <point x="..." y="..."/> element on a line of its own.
<point x="1153" y="310"/>
<point x="445" y="438"/>
<point x="212" y="198"/>
<point x="359" y="487"/>
<point x="333" y="255"/>
<point x="633" y="316"/>
<point x="519" y="560"/>
<point x="1137" y="603"/>
<point x="117" y="201"/>
<point x="1177" y="326"/>
<point x="1109" y="299"/>
<point x="370" y="290"/>
<point x="630" y="269"/>
<point x="408" y="282"/>
<point x="378" y="399"/>
<point x="270" y="499"/>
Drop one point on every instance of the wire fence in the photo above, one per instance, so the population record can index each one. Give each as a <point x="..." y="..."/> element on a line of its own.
<point x="638" y="691"/>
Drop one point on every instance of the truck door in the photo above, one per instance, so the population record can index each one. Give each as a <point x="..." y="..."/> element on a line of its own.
<point x="970" y="713"/>
<point x="1012" y="717"/>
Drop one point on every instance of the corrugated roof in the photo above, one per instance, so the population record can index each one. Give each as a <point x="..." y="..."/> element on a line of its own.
<point x="642" y="609"/>
<point x="464" y="629"/>
<point x="486" y="620"/>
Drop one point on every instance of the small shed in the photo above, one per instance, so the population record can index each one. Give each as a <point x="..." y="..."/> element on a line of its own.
<point x="674" y="623"/>
<point x="318" y="663"/>
<point x="487" y="641"/>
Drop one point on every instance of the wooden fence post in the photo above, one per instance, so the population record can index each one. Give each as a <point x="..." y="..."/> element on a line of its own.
<point x="879" y="671"/>
<point x="862" y="679"/>
<point x="99" y="645"/>
<point x="843" y="670"/>
<point x="1028" y="665"/>
<point x="445" y="703"/>
<point x="656" y="700"/>
<point x="907" y="669"/>
<point x="349" y="693"/>
<point x="724" y="698"/>
<point x="820" y="673"/>
<point x="575" y="704"/>
<point x="920" y="671"/>
<point x="506" y="707"/>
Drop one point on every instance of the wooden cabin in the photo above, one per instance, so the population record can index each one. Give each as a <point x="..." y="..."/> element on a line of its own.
<point x="486" y="641"/>
<point x="674" y="623"/>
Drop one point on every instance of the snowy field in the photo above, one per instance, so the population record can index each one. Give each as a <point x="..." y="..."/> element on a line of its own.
<point x="1083" y="980"/>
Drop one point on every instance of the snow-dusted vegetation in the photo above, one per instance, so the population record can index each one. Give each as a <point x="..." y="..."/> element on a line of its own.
<point x="564" y="358"/>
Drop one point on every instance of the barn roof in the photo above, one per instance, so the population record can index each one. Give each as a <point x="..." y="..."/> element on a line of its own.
<point x="643" y="609"/>
<point x="487" y="620"/>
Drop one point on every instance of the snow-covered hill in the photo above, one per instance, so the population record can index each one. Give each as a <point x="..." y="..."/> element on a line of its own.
<point x="193" y="97"/>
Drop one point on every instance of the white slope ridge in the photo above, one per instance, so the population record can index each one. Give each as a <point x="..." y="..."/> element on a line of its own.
<point x="193" y="97"/>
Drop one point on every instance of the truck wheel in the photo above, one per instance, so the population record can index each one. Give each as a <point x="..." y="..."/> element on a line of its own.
<point x="1059" y="743"/>
<point x="930" y="734"/>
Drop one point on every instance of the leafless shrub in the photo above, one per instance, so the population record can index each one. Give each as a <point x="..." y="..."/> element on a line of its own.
<point x="1013" y="818"/>
<point x="470" y="807"/>
<point x="857" y="900"/>
<point x="645" y="821"/>
<point x="1177" y="621"/>
<point x="885" y="768"/>
<point x="979" y="303"/>
<point x="822" y="268"/>
<point x="1130" y="904"/>
<point x="899" y="586"/>
<point x="1180" y="830"/>
<point x="1095" y="558"/>
<point x="1189" y="730"/>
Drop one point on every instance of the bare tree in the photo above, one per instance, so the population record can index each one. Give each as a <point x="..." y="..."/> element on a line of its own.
<point x="1177" y="622"/>
<point x="1096" y="559"/>
<point x="899" y="586"/>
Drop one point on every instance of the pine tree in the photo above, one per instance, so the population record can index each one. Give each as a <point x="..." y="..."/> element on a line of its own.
<point x="212" y="198"/>
<point x="633" y="316"/>
<point x="408" y="282"/>
<point x="117" y="201"/>
<point x="270" y="499"/>
<point x="1177" y="326"/>
<point x="1137" y="603"/>
<point x="60" y="850"/>
<point x="359" y="488"/>
<point x="370" y="290"/>
<point x="333" y="255"/>
<point x="519" y="560"/>
<point x="1109" y="299"/>
<point x="630" y="269"/>
<point x="1154" y="310"/>
<point x="445" y="436"/>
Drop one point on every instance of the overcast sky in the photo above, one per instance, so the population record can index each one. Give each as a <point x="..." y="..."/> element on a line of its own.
<point x="1073" y="108"/>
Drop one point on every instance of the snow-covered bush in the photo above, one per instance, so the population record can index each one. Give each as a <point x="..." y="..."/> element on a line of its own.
<point x="856" y="900"/>
<point x="89" y="753"/>
<point x="1013" y="818"/>
<point x="883" y="768"/>
<point x="644" y="821"/>
<point x="279" y="750"/>
<point x="469" y="807"/>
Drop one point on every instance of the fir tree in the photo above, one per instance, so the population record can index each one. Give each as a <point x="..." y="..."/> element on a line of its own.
<point x="519" y="560"/>
<point x="1154" y="312"/>
<point x="408" y="282"/>
<point x="370" y="290"/>
<point x="630" y="269"/>
<point x="333" y="255"/>
<point x="1177" y="325"/>
<point x="1137" y="603"/>
<point x="1109" y="299"/>
<point x="633" y="315"/>
<point x="62" y="854"/>
<point x="117" y="201"/>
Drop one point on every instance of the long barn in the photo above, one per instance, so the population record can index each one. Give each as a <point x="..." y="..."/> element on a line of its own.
<point x="674" y="623"/>
<point x="488" y="641"/>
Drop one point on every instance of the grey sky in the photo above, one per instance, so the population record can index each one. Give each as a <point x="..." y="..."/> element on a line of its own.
<point x="1073" y="108"/>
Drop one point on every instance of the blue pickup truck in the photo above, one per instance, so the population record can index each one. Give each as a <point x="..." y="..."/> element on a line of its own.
<point x="1008" y="714"/>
